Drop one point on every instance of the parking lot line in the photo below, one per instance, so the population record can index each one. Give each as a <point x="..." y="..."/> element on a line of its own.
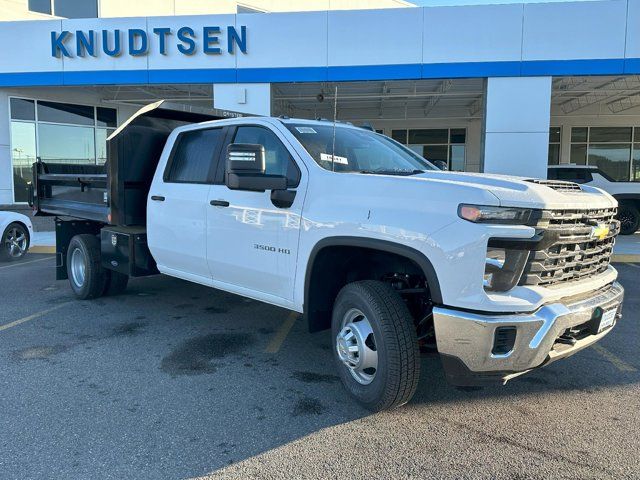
<point x="277" y="341"/>
<point x="25" y="263"/>
<point x="617" y="362"/>
<point x="33" y="316"/>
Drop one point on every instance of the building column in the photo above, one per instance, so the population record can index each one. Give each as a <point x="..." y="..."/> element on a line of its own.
<point x="252" y="98"/>
<point x="516" y="133"/>
<point x="6" y="172"/>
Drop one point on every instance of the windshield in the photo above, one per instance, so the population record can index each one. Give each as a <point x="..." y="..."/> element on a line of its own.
<point x="357" y="150"/>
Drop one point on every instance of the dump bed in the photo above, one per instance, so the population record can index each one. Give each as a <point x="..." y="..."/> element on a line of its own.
<point x="115" y="193"/>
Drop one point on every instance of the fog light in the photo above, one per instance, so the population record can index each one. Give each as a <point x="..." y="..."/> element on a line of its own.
<point x="504" y="339"/>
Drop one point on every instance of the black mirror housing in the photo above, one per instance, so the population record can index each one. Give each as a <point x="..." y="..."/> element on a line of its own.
<point x="246" y="169"/>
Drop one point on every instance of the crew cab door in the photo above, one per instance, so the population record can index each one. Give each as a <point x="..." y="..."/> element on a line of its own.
<point x="252" y="243"/>
<point x="177" y="204"/>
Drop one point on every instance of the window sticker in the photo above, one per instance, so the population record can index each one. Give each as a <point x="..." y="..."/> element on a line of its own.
<point x="336" y="159"/>
<point x="305" y="130"/>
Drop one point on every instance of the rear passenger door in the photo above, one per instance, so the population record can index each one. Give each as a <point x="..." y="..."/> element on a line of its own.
<point x="177" y="204"/>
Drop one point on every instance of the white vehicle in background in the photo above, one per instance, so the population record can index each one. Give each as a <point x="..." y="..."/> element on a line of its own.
<point x="627" y="193"/>
<point x="16" y="234"/>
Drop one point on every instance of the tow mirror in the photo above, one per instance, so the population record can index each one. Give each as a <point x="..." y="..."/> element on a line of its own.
<point x="246" y="169"/>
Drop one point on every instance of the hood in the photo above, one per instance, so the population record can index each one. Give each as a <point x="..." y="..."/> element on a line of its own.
<point x="526" y="192"/>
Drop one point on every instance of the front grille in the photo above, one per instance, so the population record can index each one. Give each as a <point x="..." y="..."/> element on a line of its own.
<point x="557" y="185"/>
<point x="568" y="247"/>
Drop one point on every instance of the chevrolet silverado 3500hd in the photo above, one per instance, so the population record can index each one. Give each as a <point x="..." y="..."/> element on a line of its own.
<point x="501" y="274"/>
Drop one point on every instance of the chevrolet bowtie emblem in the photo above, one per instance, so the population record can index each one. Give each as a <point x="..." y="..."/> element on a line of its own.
<point x="600" y="231"/>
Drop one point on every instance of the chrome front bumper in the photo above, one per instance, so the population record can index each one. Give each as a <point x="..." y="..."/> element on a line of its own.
<point x="465" y="340"/>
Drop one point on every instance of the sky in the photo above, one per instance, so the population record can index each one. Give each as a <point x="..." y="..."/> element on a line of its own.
<point x="477" y="2"/>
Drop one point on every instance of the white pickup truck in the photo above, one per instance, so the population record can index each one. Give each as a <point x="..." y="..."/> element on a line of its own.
<point x="502" y="275"/>
<point x="626" y="193"/>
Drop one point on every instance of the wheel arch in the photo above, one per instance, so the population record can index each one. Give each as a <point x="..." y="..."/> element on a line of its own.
<point x="316" y="318"/>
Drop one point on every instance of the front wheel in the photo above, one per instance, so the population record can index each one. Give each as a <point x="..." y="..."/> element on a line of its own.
<point x="376" y="346"/>
<point x="629" y="217"/>
<point x="14" y="242"/>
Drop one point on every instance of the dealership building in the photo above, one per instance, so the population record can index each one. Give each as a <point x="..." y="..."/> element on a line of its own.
<point x="503" y="88"/>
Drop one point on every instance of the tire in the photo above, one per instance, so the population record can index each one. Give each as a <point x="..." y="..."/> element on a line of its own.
<point x="86" y="275"/>
<point x="629" y="217"/>
<point x="14" y="243"/>
<point x="116" y="283"/>
<point x="392" y="335"/>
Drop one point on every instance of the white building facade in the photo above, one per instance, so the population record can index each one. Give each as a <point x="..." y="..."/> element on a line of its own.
<point x="496" y="88"/>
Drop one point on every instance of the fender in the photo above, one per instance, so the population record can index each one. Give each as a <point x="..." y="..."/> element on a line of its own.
<point x="375" y="244"/>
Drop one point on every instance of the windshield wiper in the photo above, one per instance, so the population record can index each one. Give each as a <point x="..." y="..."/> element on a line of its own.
<point x="392" y="172"/>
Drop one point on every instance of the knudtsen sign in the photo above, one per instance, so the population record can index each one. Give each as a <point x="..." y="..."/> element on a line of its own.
<point x="135" y="41"/>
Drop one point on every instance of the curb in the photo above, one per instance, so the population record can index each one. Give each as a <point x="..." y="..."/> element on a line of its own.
<point x="42" y="249"/>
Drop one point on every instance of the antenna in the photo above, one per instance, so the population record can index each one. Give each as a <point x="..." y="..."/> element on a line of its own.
<point x="335" y="118"/>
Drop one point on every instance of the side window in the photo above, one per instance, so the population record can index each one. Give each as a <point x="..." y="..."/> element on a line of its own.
<point x="278" y="160"/>
<point x="577" y="175"/>
<point x="194" y="156"/>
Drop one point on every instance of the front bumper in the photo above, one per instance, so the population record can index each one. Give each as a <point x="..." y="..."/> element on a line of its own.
<point x="465" y="340"/>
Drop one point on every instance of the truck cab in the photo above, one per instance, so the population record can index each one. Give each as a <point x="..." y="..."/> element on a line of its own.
<point x="499" y="275"/>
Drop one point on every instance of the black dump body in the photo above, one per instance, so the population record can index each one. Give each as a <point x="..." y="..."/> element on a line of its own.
<point x="115" y="193"/>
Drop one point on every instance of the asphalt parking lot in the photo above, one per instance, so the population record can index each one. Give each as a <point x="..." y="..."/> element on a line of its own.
<point x="174" y="380"/>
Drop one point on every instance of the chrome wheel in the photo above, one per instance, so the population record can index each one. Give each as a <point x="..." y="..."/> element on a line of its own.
<point x="356" y="346"/>
<point x="78" y="268"/>
<point x="16" y="242"/>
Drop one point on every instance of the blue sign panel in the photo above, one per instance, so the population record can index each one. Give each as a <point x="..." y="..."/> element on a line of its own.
<point x="135" y="41"/>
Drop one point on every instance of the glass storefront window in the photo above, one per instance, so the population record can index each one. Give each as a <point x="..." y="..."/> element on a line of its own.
<point x="555" y="134"/>
<point x="101" y="145"/>
<point x="65" y="113"/>
<point x="435" y="152"/>
<point x="23" y="155"/>
<point x="456" y="158"/>
<point x="429" y="136"/>
<point x="458" y="135"/>
<point x="22" y="109"/>
<point x="554" y="154"/>
<point x="399" y="136"/>
<point x="443" y="144"/>
<point x="579" y="134"/>
<point x="106" y="117"/>
<point x="635" y="166"/>
<point x="66" y="144"/>
<point x="609" y="148"/>
<point x="613" y="159"/>
<point x="609" y="134"/>
<point x="578" y="154"/>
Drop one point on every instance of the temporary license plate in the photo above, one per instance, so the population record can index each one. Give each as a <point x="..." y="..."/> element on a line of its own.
<point x="607" y="319"/>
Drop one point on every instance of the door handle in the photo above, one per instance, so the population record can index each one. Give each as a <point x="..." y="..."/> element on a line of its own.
<point x="219" y="203"/>
<point x="157" y="198"/>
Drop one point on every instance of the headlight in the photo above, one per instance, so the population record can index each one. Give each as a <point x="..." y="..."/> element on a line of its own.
<point x="503" y="268"/>
<point x="496" y="215"/>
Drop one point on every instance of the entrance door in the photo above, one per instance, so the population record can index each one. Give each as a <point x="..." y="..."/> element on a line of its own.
<point x="252" y="244"/>
<point x="177" y="206"/>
